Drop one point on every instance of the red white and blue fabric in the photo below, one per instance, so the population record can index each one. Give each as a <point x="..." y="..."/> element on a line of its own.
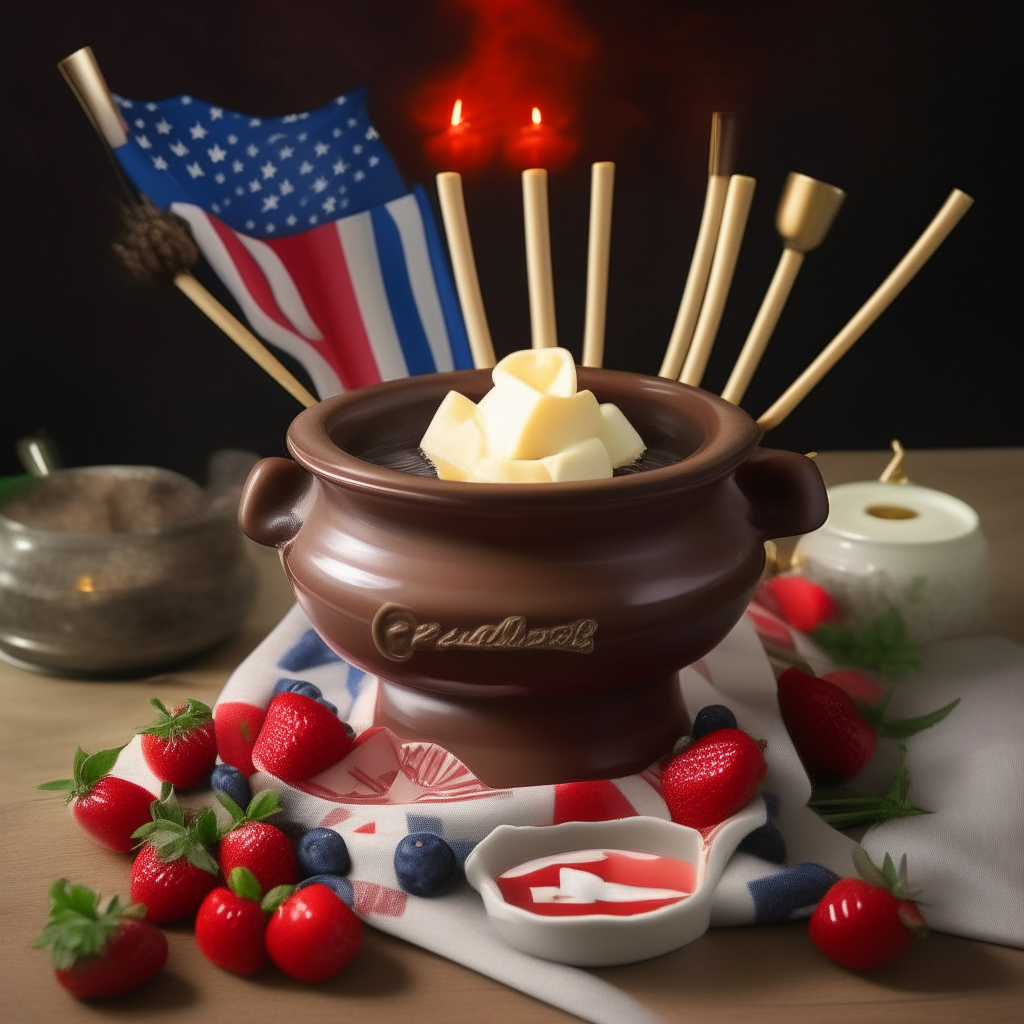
<point x="964" y="857"/>
<point x="306" y="220"/>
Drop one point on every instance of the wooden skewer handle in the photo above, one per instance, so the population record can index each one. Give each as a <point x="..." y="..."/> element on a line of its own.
<point x="82" y="73"/>
<point x="734" y="223"/>
<point x="696" y="278"/>
<point x="460" y="247"/>
<point x="764" y="323"/>
<point x="602" y="183"/>
<point x="955" y="206"/>
<point x="538" y="259"/>
<point x="243" y="337"/>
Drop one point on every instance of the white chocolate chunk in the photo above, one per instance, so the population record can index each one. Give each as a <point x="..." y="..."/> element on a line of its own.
<point x="624" y="444"/>
<point x="551" y="371"/>
<point x="450" y="415"/>
<point x="585" y="460"/>
<point x="522" y="423"/>
<point x="495" y="469"/>
<point x="456" y="456"/>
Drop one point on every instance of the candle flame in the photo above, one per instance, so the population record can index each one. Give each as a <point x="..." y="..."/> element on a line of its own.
<point x="535" y="115"/>
<point x="457" y="113"/>
<point x="85" y="585"/>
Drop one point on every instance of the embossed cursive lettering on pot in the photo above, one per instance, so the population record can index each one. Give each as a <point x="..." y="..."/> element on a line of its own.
<point x="397" y="634"/>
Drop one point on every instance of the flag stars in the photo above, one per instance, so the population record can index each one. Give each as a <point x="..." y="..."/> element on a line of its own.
<point x="143" y="142"/>
<point x="269" y="203"/>
<point x="163" y="126"/>
<point x="319" y="185"/>
<point x="313" y="219"/>
<point x="232" y="139"/>
<point x="255" y="186"/>
<point x="217" y="154"/>
<point x="336" y="133"/>
<point x="216" y="113"/>
<point x="357" y="149"/>
<point x="250" y="224"/>
<point x="352" y="122"/>
<point x="160" y="163"/>
<point x="340" y="167"/>
<point x="197" y="131"/>
<point x="254" y="122"/>
<point x="284" y="152"/>
<point x="276" y="137"/>
<point x="291" y="220"/>
<point x="371" y="133"/>
<point x="139" y="123"/>
<point x="359" y="175"/>
<point x="215" y="207"/>
<point x="219" y="178"/>
<point x="328" y="204"/>
<point x="321" y="148"/>
<point x="186" y="101"/>
<point x="289" y="119"/>
<point x="269" y="170"/>
<point x="302" y="136"/>
<point x="286" y="187"/>
<point x="270" y="229"/>
<point x="251" y="149"/>
<point x="305" y="167"/>
<point x="194" y="170"/>
<point x="373" y="161"/>
<point x="151" y="107"/>
<point x="239" y="191"/>
<point x="179" y="148"/>
<point x="237" y="166"/>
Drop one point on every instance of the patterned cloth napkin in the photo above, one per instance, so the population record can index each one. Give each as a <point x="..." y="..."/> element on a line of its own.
<point x="965" y="858"/>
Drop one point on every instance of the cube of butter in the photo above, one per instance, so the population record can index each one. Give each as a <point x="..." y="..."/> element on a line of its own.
<point x="624" y="444"/>
<point x="454" y="441"/>
<point x="551" y="371"/>
<point x="522" y="423"/>
<point x="585" y="460"/>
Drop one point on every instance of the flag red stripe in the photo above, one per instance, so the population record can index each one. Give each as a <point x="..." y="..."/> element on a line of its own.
<point x="316" y="262"/>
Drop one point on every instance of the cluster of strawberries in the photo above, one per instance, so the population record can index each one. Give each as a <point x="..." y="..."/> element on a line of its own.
<point x="306" y="928"/>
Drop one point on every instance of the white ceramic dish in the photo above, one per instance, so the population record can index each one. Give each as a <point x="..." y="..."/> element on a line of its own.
<point x="603" y="940"/>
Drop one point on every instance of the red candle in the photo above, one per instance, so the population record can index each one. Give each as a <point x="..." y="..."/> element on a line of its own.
<point x="459" y="147"/>
<point x="539" y="145"/>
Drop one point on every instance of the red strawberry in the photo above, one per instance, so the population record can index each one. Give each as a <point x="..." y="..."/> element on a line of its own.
<point x="714" y="778"/>
<point x="253" y="844"/>
<point x="299" y="739"/>
<point x="313" y="934"/>
<point x="175" y="870"/>
<point x="859" y="687"/>
<point x="803" y="604"/>
<point x="180" y="746"/>
<point x="237" y="725"/>
<point x="230" y="925"/>
<point x="865" y="923"/>
<point x="99" y="953"/>
<point x="107" y="808"/>
<point x="831" y="736"/>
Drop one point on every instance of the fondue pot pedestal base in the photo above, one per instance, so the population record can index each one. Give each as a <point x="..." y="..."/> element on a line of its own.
<point x="546" y="739"/>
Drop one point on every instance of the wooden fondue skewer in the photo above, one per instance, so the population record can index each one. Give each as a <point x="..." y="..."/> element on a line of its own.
<point x="460" y="247"/>
<point x="82" y="73"/>
<point x="538" y="259"/>
<point x="721" y="155"/>
<point x="730" y="238"/>
<point x="806" y="212"/>
<point x="602" y="184"/>
<point x="955" y="206"/>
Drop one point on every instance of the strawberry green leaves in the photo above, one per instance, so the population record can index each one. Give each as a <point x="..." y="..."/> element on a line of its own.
<point x="173" y="836"/>
<point x="78" y="928"/>
<point x="262" y="806"/>
<point x="87" y="770"/>
<point x="170" y="725"/>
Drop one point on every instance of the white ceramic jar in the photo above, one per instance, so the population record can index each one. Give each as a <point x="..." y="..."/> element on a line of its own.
<point x="900" y="545"/>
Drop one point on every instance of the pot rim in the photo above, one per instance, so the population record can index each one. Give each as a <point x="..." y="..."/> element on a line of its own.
<point x="730" y="436"/>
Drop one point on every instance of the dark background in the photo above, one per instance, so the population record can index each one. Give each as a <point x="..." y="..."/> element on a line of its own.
<point x="897" y="103"/>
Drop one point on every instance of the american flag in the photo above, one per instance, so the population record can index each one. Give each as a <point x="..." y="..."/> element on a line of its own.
<point x="306" y="220"/>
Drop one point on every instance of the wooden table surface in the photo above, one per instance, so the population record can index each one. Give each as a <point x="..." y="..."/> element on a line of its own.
<point x="763" y="974"/>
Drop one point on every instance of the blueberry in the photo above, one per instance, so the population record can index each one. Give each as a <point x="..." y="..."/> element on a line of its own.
<point x="297" y="686"/>
<point x="711" y="719"/>
<point x="341" y="887"/>
<point x="321" y="851"/>
<point x="231" y="781"/>
<point x="425" y="864"/>
<point x="327" y="704"/>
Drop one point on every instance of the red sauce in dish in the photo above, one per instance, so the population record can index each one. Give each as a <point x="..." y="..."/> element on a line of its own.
<point x="617" y="882"/>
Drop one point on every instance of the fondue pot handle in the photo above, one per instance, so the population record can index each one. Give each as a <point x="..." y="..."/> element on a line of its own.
<point x="786" y="493"/>
<point x="268" y="510"/>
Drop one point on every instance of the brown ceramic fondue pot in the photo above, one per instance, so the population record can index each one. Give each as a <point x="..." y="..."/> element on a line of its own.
<point x="535" y="630"/>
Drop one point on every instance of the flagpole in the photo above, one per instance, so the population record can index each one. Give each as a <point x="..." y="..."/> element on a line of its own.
<point x="82" y="73"/>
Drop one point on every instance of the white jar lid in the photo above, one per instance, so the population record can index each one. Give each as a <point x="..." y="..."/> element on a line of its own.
<point x="897" y="513"/>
